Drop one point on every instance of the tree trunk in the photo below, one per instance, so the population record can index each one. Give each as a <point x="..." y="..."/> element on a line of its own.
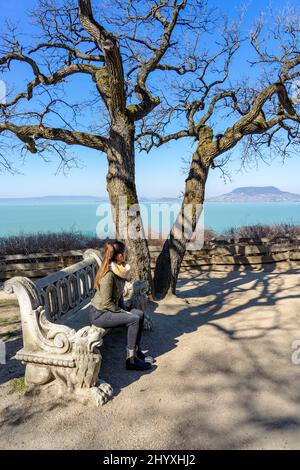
<point x="121" y="184"/>
<point x="169" y="260"/>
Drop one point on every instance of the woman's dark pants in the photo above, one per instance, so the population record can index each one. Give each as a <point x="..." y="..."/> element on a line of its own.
<point x="134" y="320"/>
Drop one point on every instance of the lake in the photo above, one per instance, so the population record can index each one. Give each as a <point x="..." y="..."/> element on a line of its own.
<point x="16" y="219"/>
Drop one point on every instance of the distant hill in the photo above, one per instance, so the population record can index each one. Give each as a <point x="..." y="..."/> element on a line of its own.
<point x="45" y="200"/>
<point x="256" y="194"/>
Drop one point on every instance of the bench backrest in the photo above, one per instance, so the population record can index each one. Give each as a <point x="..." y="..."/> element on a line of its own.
<point x="65" y="292"/>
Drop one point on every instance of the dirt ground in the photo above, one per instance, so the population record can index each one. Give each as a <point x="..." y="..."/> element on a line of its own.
<point x="223" y="378"/>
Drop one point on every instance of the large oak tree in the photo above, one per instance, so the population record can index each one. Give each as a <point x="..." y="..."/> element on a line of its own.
<point x="218" y="109"/>
<point x="118" y="48"/>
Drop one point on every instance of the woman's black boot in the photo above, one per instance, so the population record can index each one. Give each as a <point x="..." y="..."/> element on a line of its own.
<point x="143" y="357"/>
<point x="134" y="363"/>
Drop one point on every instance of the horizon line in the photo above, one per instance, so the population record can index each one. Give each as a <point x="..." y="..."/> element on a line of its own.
<point x="106" y="196"/>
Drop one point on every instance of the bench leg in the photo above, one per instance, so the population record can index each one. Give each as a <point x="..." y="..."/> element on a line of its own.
<point x="37" y="375"/>
<point x="83" y="381"/>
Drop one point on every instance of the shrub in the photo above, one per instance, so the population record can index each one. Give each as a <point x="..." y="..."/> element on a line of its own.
<point x="258" y="231"/>
<point x="47" y="242"/>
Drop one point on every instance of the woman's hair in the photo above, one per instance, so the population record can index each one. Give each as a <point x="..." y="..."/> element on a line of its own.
<point x="111" y="250"/>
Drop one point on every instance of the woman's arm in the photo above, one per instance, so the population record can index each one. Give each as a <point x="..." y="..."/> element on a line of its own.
<point x="124" y="306"/>
<point x="106" y="292"/>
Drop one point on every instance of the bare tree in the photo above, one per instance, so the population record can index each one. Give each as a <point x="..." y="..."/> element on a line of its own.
<point x="218" y="113"/>
<point x="117" y="55"/>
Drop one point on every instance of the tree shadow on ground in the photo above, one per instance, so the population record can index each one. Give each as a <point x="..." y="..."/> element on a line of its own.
<point x="247" y="395"/>
<point x="11" y="335"/>
<point x="170" y="327"/>
<point x="205" y="299"/>
<point x="12" y="368"/>
<point x="210" y="305"/>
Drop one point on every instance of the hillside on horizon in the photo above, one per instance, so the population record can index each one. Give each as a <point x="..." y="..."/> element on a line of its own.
<point x="241" y="194"/>
<point x="71" y="200"/>
<point x="256" y="194"/>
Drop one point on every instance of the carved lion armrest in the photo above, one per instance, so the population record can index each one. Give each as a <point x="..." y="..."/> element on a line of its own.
<point x="56" y="352"/>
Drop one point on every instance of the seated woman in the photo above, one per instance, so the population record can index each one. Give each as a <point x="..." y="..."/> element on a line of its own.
<point x="107" y="305"/>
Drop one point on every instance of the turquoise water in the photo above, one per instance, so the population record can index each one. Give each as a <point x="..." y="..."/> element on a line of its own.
<point x="15" y="219"/>
<point x="222" y="216"/>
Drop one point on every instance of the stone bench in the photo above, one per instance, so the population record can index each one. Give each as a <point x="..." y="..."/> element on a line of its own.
<point x="58" y="342"/>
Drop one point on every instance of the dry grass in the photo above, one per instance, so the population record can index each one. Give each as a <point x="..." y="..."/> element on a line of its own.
<point x="49" y="242"/>
<point x="258" y="231"/>
<point x="18" y="385"/>
<point x="59" y="242"/>
<point x="65" y="241"/>
<point x="10" y="325"/>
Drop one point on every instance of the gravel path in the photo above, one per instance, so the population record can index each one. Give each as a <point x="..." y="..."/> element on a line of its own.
<point x="223" y="376"/>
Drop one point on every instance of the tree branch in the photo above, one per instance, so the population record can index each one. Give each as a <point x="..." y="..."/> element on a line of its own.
<point x="40" y="78"/>
<point x="147" y="101"/>
<point x="73" y="50"/>
<point x="156" y="139"/>
<point x="31" y="134"/>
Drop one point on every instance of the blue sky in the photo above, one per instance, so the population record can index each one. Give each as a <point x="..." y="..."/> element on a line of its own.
<point x="158" y="173"/>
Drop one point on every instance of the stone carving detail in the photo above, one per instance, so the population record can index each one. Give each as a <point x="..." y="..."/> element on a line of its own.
<point x="23" y="283"/>
<point x="55" y="352"/>
<point x="73" y="363"/>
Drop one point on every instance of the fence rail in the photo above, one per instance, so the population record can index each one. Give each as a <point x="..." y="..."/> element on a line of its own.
<point x="235" y="253"/>
<point x="216" y="254"/>
<point x="37" y="264"/>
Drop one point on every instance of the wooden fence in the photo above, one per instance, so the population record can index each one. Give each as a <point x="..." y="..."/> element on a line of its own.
<point x="36" y="264"/>
<point x="222" y="254"/>
<point x="216" y="254"/>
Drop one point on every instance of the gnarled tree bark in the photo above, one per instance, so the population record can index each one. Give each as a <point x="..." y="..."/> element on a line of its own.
<point x="169" y="260"/>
